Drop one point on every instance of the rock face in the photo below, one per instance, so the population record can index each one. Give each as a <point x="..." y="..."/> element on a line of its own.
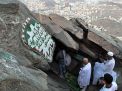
<point x="14" y="76"/>
<point x="106" y="42"/>
<point x="16" y="59"/>
<point x="67" y="25"/>
<point x="57" y="31"/>
<point x="22" y="34"/>
<point x="25" y="37"/>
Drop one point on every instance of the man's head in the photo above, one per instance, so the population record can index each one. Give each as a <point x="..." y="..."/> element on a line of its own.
<point x="110" y="55"/>
<point x="108" y="79"/>
<point x="85" y="61"/>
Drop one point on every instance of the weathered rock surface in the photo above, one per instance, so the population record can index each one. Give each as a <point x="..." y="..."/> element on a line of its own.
<point x="23" y="61"/>
<point x="26" y="79"/>
<point x="107" y="42"/>
<point x="14" y="76"/>
<point x="67" y="25"/>
<point x="14" y="20"/>
<point x="16" y="70"/>
<point x="103" y="40"/>
<point x="57" y="32"/>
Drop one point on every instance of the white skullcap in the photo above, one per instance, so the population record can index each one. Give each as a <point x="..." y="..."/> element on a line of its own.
<point x="110" y="54"/>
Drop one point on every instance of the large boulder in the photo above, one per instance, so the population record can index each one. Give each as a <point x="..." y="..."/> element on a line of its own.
<point x="56" y="31"/>
<point x="14" y="76"/>
<point x="22" y="34"/>
<point x="44" y="19"/>
<point x="105" y="41"/>
<point x="67" y="25"/>
<point x="26" y="79"/>
<point x="23" y="61"/>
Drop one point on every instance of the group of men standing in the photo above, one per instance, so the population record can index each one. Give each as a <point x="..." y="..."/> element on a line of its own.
<point x="103" y="74"/>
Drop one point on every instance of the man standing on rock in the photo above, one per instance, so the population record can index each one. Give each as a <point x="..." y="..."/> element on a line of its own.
<point x="84" y="74"/>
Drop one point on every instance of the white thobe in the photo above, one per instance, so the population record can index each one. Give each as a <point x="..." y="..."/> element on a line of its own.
<point x="98" y="72"/>
<point x="109" y="66"/>
<point x="114" y="87"/>
<point x="84" y="76"/>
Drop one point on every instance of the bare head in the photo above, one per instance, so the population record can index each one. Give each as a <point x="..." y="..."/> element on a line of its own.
<point x="85" y="61"/>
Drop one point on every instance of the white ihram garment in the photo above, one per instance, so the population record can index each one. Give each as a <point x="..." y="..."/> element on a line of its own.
<point x="84" y="76"/>
<point x="114" y="87"/>
<point x="98" y="72"/>
<point x="109" y="66"/>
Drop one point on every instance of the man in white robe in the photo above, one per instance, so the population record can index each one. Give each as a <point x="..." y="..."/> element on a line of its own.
<point x="84" y="75"/>
<point x="109" y="65"/>
<point x="98" y="72"/>
<point x="109" y="85"/>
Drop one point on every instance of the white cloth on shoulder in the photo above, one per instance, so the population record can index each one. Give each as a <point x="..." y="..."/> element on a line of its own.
<point x="98" y="72"/>
<point x="84" y="75"/>
<point x="114" y="87"/>
<point x="109" y="66"/>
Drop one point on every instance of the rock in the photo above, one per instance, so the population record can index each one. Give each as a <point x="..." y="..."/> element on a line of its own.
<point x="16" y="77"/>
<point x="9" y="85"/>
<point x="17" y="29"/>
<point x="81" y="24"/>
<point x="67" y="40"/>
<point x="11" y="73"/>
<point x="16" y="59"/>
<point x="42" y="65"/>
<point x="17" y="26"/>
<point x="57" y="32"/>
<point x="87" y="50"/>
<point x="107" y="42"/>
<point x="42" y="18"/>
<point x="56" y="84"/>
<point x="67" y="25"/>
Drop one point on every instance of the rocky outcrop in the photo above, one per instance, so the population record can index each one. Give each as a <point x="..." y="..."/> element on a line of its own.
<point x="17" y="70"/>
<point x="14" y="76"/>
<point x="57" y="31"/>
<point x="65" y="31"/>
<point x="106" y="42"/>
<point x="17" y="34"/>
<point x="8" y="57"/>
<point x="67" y="25"/>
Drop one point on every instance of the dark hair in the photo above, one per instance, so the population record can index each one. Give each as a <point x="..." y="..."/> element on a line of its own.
<point x="108" y="78"/>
